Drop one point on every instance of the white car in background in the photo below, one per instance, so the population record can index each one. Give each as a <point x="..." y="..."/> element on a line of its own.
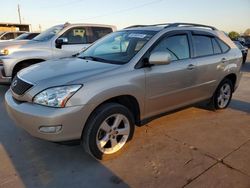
<point x="57" y="42"/>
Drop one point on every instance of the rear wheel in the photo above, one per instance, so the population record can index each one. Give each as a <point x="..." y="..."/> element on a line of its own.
<point x="108" y="130"/>
<point x="223" y="95"/>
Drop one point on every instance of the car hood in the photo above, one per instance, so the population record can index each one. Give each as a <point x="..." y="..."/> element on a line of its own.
<point x="12" y="43"/>
<point x="64" y="71"/>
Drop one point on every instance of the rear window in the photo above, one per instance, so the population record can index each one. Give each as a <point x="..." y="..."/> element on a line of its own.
<point x="217" y="49"/>
<point x="8" y="36"/>
<point x="223" y="46"/>
<point x="99" y="32"/>
<point x="202" y="45"/>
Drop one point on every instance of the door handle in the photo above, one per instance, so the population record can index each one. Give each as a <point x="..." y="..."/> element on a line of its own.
<point x="191" y="67"/>
<point x="223" y="60"/>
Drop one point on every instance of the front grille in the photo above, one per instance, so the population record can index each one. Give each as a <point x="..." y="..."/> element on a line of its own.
<point x="19" y="86"/>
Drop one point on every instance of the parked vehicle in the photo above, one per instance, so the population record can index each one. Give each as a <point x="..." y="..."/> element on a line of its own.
<point x="56" y="42"/>
<point x="243" y="49"/>
<point x="27" y="36"/>
<point x="125" y="79"/>
<point x="20" y="40"/>
<point x="247" y="41"/>
<point x="10" y="35"/>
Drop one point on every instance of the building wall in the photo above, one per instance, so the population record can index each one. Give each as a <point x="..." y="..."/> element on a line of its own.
<point x="8" y="29"/>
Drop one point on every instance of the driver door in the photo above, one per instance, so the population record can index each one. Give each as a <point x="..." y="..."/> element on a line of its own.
<point x="171" y="86"/>
<point x="77" y="40"/>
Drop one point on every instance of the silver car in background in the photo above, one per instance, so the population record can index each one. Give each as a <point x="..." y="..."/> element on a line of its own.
<point x="57" y="42"/>
<point x="125" y="79"/>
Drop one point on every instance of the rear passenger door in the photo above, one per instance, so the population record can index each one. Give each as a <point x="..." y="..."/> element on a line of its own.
<point x="96" y="33"/>
<point x="209" y="56"/>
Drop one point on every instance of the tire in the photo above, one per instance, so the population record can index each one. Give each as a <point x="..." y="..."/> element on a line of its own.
<point x="223" y="95"/>
<point x="102" y="132"/>
<point x="244" y="59"/>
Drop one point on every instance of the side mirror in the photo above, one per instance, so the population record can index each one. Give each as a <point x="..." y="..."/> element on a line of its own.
<point x="160" y="58"/>
<point x="61" y="41"/>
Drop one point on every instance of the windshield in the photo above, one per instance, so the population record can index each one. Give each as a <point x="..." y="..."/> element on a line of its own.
<point x="49" y="33"/>
<point x="22" y="36"/>
<point x="119" y="47"/>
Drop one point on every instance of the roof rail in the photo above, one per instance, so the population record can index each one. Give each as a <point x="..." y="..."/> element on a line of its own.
<point x="167" y="25"/>
<point x="190" y="25"/>
<point x="137" y="26"/>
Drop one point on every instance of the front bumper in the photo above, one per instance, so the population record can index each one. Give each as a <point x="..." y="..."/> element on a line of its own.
<point x="3" y="78"/>
<point x="32" y="116"/>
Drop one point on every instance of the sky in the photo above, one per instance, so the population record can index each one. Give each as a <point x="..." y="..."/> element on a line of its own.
<point x="227" y="15"/>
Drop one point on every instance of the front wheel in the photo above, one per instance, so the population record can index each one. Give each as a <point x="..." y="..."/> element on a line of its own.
<point x="223" y="94"/>
<point x="107" y="131"/>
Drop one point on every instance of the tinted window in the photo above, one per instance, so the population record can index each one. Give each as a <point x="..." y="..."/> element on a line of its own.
<point x="177" y="46"/>
<point x="32" y="35"/>
<point x="216" y="46"/>
<point x="76" y="35"/>
<point x="22" y="37"/>
<point x="8" y="36"/>
<point x="99" y="32"/>
<point x="223" y="46"/>
<point x="202" y="45"/>
<point x="18" y="34"/>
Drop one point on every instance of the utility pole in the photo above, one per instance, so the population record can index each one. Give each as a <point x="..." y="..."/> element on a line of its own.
<point x="19" y="13"/>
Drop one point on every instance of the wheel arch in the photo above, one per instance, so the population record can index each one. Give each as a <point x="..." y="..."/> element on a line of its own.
<point x="25" y="63"/>
<point x="233" y="78"/>
<point x="128" y="101"/>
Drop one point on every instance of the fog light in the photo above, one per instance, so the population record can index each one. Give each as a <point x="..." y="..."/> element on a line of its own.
<point x="50" y="129"/>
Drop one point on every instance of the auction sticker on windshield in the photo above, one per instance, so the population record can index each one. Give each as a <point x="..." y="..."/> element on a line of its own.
<point x="137" y="35"/>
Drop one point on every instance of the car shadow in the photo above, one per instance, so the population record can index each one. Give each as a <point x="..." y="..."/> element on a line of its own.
<point x="39" y="163"/>
<point x="240" y="105"/>
<point x="246" y="67"/>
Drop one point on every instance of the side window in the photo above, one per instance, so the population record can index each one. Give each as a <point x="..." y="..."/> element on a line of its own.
<point x="77" y="35"/>
<point x="99" y="32"/>
<point x="216" y="47"/>
<point x="202" y="45"/>
<point x="177" y="46"/>
<point x="223" y="46"/>
<point x="8" y="36"/>
<point x="32" y="35"/>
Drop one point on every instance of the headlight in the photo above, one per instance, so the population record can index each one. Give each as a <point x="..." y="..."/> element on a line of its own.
<point x="4" y="52"/>
<point x="57" y="96"/>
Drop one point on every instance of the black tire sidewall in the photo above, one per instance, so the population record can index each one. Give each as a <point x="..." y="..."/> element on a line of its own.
<point x="217" y="94"/>
<point x="93" y="125"/>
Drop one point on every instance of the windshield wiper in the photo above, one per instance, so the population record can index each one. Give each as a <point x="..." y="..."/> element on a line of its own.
<point x="93" y="58"/>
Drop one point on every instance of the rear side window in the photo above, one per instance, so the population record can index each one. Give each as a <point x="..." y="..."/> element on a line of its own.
<point x="216" y="47"/>
<point x="202" y="45"/>
<point x="8" y="36"/>
<point x="177" y="46"/>
<point x="99" y="32"/>
<point x="32" y="35"/>
<point x="223" y="46"/>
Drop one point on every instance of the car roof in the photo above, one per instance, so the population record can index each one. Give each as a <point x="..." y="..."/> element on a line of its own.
<point x="88" y="24"/>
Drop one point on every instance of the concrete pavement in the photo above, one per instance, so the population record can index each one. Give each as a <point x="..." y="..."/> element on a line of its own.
<point x="194" y="147"/>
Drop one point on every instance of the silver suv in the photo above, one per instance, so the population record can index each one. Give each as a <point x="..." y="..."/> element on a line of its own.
<point x="125" y="79"/>
<point x="57" y="42"/>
